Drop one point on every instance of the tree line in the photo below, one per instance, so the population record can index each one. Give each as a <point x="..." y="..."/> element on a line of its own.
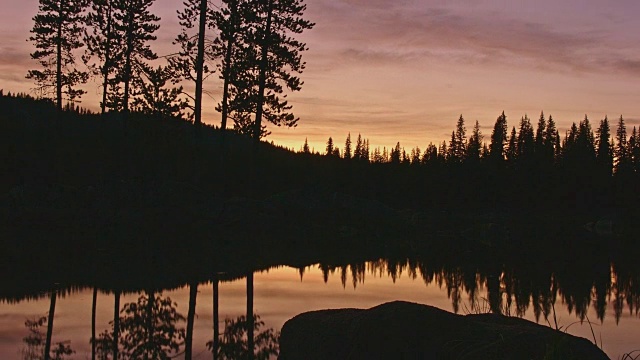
<point x="250" y="44"/>
<point x="523" y="147"/>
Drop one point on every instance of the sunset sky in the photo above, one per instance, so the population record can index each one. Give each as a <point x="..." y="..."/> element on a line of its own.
<point x="405" y="70"/>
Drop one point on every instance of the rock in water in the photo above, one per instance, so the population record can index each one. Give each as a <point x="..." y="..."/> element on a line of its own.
<point x="402" y="330"/>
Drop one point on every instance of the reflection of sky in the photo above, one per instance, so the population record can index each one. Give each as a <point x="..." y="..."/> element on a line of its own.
<point x="279" y="295"/>
<point x="405" y="70"/>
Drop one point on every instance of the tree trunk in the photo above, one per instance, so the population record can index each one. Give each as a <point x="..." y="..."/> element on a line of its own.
<point x="216" y="318"/>
<point x="107" y="60"/>
<point x="200" y="63"/>
<point x="127" y="63"/>
<point x="250" y="320"/>
<point x="227" y="66"/>
<point x="116" y="324"/>
<point x="264" y="63"/>
<point x="59" y="61"/>
<point x="52" y="310"/>
<point x="188" y="341"/>
<point x="93" y="323"/>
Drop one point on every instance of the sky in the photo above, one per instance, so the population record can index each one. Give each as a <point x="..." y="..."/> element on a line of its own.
<point x="405" y="70"/>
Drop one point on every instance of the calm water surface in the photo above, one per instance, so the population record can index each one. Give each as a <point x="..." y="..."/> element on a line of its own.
<point x="281" y="293"/>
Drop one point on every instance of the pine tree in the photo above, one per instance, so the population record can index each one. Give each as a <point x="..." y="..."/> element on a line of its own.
<point x="526" y="142"/>
<point x="347" y="147"/>
<point x="541" y="135"/>
<point x="135" y="22"/>
<point x="453" y="146"/>
<point x="377" y="156"/>
<point x="499" y="138"/>
<point x="475" y="143"/>
<point x="604" y="154"/>
<point x="366" y="153"/>
<point x="621" y="156"/>
<point x="443" y="152"/>
<point x="275" y="23"/>
<point x="358" y="151"/>
<point x="329" y="149"/>
<point x="551" y="138"/>
<point x="633" y="150"/>
<point x="190" y="60"/>
<point x="585" y="142"/>
<point x="430" y="154"/>
<point x="105" y="46"/>
<point x="460" y="151"/>
<point x="396" y="154"/>
<point x="57" y="33"/>
<point x="415" y="156"/>
<point x="305" y="147"/>
<point x="512" y="150"/>
<point x="154" y="97"/>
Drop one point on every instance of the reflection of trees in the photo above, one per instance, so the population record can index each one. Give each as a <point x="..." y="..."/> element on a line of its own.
<point x="193" y="293"/>
<point x="511" y="289"/>
<point x="35" y="343"/>
<point x="52" y="310"/>
<point x="233" y="344"/>
<point x="147" y="329"/>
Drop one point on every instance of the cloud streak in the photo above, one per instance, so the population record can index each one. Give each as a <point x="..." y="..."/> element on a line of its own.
<point x="404" y="33"/>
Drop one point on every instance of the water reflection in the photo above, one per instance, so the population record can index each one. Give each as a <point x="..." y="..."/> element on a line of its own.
<point x="146" y="329"/>
<point x="152" y="327"/>
<point x="510" y="291"/>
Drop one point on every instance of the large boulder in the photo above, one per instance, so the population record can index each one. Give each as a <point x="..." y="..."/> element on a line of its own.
<point x="401" y="330"/>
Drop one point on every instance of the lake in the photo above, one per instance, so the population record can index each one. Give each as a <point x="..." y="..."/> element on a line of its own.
<point x="608" y="300"/>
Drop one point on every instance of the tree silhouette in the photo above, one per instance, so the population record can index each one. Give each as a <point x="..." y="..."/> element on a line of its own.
<point x="275" y="23"/>
<point x="620" y="152"/>
<point x="541" y="135"/>
<point x="526" y="142"/>
<point x="358" y="152"/>
<point x="347" y="148"/>
<point x="551" y="141"/>
<point x="329" y="149"/>
<point x="136" y="24"/>
<point x="604" y="153"/>
<point x="458" y="144"/>
<point x="94" y="303"/>
<point x="57" y="33"/>
<point x="35" y="343"/>
<point x="498" y="138"/>
<point x="233" y="343"/>
<point x="147" y="329"/>
<point x="474" y="146"/>
<point x="633" y="150"/>
<point x="190" y="60"/>
<point x="104" y="44"/>
<point x="233" y="24"/>
<point x="188" y="344"/>
<point x="153" y="97"/>
<point x="512" y="149"/>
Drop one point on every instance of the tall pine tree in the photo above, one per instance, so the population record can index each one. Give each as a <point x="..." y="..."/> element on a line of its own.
<point x="57" y="33"/>
<point x="498" y="138"/>
<point x="276" y="23"/>
<point x="104" y="49"/>
<point x="603" y="143"/>
<point x="620" y="152"/>
<point x="137" y="25"/>
<point x="190" y="60"/>
<point x="475" y="143"/>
